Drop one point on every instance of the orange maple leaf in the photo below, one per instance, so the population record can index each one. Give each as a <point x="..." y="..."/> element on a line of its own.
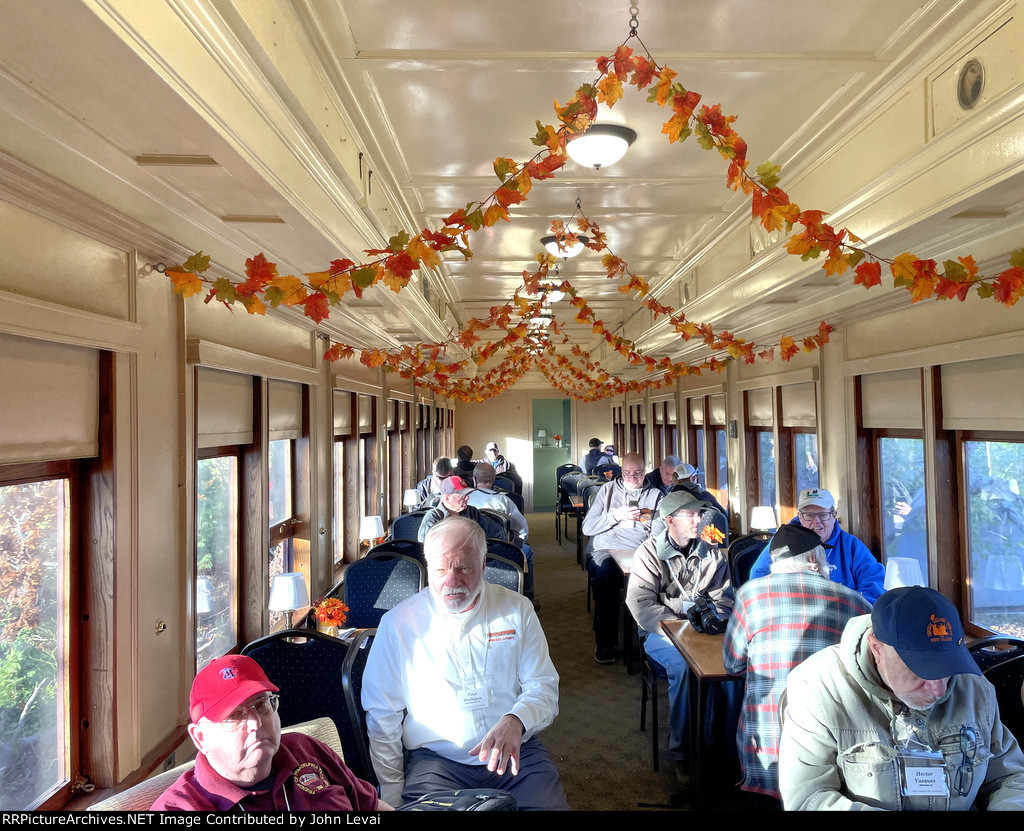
<point x="332" y="282"/>
<point x="495" y="213"/>
<point x="316" y="308"/>
<point x="787" y="347"/>
<point x="868" y="274"/>
<point x="259" y="272"/>
<point x="186" y="283"/>
<point x="285" y="291"/>
<point x="419" y="250"/>
<point x="664" y="85"/>
<point x="609" y="89"/>
<point x="623" y="61"/>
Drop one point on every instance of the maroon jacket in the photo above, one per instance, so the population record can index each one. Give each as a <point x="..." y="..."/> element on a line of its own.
<point x="308" y="776"/>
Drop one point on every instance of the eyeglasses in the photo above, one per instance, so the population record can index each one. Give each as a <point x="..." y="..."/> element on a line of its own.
<point x="263" y="708"/>
<point x="632" y="473"/>
<point x="963" y="776"/>
<point x="809" y="517"/>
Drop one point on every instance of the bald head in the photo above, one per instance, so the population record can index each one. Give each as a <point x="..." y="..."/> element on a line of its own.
<point x="632" y="470"/>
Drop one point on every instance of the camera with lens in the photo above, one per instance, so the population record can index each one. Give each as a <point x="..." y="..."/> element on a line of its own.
<point x="704" y="617"/>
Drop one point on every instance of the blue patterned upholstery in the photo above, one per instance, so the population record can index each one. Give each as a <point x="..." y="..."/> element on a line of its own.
<point x="503" y="572"/>
<point x="375" y="584"/>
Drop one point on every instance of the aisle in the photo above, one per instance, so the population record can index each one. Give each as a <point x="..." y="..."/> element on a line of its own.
<point x="604" y="759"/>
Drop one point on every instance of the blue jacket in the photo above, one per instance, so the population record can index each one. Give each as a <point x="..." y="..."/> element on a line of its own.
<point x="853" y="564"/>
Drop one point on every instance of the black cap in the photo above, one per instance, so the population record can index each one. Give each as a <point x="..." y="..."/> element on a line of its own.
<point x="793" y="540"/>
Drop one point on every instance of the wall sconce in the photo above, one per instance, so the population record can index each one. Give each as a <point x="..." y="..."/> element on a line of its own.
<point x="762" y="518"/>
<point x="288" y="592"/>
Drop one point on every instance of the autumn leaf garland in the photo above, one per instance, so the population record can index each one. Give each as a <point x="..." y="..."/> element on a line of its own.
<point x="394" y="265"/>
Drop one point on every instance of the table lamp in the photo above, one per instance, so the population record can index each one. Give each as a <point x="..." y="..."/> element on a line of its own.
<point x="410" y="499"/>
<point x="287" y="593"/>
<point x="371" y="528"/>
<point x="762" y="518"/>
<point x="904" y="571"/>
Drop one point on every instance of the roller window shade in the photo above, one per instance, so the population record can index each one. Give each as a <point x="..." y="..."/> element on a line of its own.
<point x="285" y="410"/>
<point x="641" y="414"/>
<point x="224" y="412"/>
<point x="759" y="407"/>
<point x="798" y="407"/>
<point x="49" y="406"/>
<point x="670" y="413"/>
<point x="696" y="408"/>
<point x="343" y="415"/>
<point x="403" y="415"/>
<point x="366" y="415"/>
<point x="659" y="412"/>
<point x="984" y="395"/>
<point x="891" y="400"/>
<point x="716" y="404"/>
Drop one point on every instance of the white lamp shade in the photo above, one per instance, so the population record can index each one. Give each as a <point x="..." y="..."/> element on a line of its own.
<point x="288" y="592"/>
<point x="601" y="145"/>
<point x="371" y="527"/>
<point x="569" y="250"/>
<point x="906" y="571"/>
<point x="762" y="518"/>
<point x="410" y="498"/>
<point x="541" y="434"/>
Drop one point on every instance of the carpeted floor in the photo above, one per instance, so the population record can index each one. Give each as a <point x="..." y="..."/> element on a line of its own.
<point x="604" y="759"/>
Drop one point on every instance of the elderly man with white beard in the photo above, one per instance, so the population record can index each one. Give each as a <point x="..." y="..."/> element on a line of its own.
<point x="459" y="682"/>
<point x="897" y="717"/>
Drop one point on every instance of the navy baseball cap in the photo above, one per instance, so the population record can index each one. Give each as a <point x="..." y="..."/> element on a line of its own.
<point x="925" y="630"/>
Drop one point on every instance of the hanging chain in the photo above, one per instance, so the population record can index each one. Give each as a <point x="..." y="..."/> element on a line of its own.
<point x="633" y="22"/>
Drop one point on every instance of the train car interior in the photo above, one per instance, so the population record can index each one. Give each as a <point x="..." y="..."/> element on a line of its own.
<point x="262" y="262"/>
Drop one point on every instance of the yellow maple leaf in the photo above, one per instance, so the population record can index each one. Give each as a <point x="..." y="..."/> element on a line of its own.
<point x="495" y="213"/>
<point x="609" y="89"/>
<point x="338" y="284"/>
<point x="664" y="85"/>
<point x="253" y="305"/>
<point x="903" y="270"/>
<point x="419" y="250"/>
<point x="291" y="288"/>
<point x="186" y="283"/>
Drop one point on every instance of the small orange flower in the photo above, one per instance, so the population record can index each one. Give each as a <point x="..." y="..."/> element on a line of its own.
<point x="712" y="535"/>
<point x="331" y="612"/>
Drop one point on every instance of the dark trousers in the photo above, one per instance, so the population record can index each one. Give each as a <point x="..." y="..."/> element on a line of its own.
<point x="606" y="582"/>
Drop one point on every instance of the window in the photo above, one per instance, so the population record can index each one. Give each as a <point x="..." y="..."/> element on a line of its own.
<point x="37" y="703"/>
<point x="217" y="551"/>
<point x="805" y="460"/>
<point x="721" y="483"/>
<point x="766" y="467"/>
<point x="993" y="472"/>
<point x="281" y="463"/>
<point x="901" y="485"/>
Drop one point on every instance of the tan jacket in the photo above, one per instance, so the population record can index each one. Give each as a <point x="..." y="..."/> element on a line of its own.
<point x="837" y="749"/>
<point x="663" y="583"/>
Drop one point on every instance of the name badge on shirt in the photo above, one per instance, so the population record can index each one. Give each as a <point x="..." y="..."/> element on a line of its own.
<point x="923" y="773"/>
<point x="473" y="698"/>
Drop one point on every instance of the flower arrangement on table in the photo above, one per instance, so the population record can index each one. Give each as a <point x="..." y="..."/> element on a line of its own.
<point x="558" y="440"/>
<point x="712" y="535"/>
<point x="330" y="614"/>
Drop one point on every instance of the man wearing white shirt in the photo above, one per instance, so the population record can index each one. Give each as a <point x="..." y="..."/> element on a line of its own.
<point x="458" y="683"/>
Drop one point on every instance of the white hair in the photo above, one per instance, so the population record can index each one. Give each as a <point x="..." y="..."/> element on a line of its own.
<point x="455" y="533"/>
<point x="814" y="560"/>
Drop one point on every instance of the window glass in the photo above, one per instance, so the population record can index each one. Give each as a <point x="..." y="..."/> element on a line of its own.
<point x="280" y="463"/>
<point x="339" y="501"/>
<point x="699" y="434"/>
<point x="216" y="556"/>
<point x="805" y="449"/>
<point x="995" y="519"/>
<point x="766" y="467"/>
<point x="722" y="482"/>
<point x="904" y="526"/>
<point x="34" y="548"/>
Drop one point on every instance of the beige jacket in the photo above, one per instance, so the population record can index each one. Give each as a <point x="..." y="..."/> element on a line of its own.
<point x="837" y="749"/>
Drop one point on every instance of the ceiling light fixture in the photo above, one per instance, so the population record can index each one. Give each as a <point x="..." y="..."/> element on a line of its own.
<point x="550" y="242"/>
<point x="601" y="145"/>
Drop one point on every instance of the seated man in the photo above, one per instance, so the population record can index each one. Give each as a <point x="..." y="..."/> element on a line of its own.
<point x="670" y="571"/>
<point x="777" y="622"/>
<point x="495" y="459"/>
<point x="661" y="478"/>
<point x="897" y="717"/>
<point x="483" y="495"/>
<point x="464" y="463"/>
<point x="244" y="762"/>
<point x="455" y="502"/>
<point x="459" y="682"/>
<point x="620" y="518"/>
<point x="593" y="457"/>
<point x="687" y="477"/>
<point x="431" y="486"/>
<point x="852" y="563"/>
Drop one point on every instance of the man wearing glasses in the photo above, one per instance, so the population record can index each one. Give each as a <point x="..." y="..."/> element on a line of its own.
<point x="621" y="517"/>
<point x="896" y="717"/>
<point x="244" y="762"/>
<point x="852" y="563"/>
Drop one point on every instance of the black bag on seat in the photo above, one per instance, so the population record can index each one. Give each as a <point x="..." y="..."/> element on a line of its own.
<point x="463" y="799"/>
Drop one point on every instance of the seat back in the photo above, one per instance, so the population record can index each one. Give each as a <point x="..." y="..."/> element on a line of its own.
<point x="607" y="471"/>
<point x="504" y="483"/>
<point x="561" y="470"/>
<point x="407" y="526"/>
<point x="502" y="519"/>
<point x="743" y="552"/>
<point x="142" y="796"/>
<point x="306" y="666"/>
<point x="352" y="685"/>
<point x="373" y="585"/>
<point x="718" y="521"/>
<point x="1001" y="659"/>
<point x="517" y="500"/>
<point x="410" y="548"/>
<point x="508" y="550"/>
<point x="585" y="482"/>
<point x="503" y="572"/>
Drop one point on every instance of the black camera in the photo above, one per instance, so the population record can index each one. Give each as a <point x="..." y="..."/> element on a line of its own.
<point x="704" y="617"/>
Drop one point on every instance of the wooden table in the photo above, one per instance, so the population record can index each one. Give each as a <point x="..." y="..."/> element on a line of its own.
<point x="624" y="560"/>
<point x="703" y="656"/>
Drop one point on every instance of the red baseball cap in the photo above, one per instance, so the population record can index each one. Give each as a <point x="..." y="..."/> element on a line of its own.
<point x="223" y="684"/>
<point x="454" y="484"/>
